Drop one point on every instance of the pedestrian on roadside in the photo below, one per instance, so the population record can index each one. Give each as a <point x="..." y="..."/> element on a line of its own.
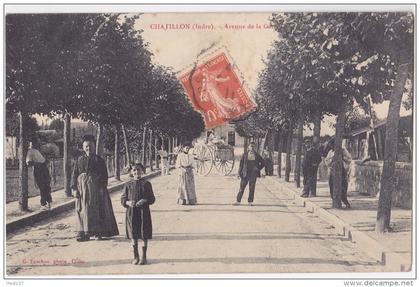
<point x="186" y="186"/>
<point x="42" y="176"/>
<point x="311" y="161"/>
<point x="164" y="161"/>
<point x="136" y="198"/>
<point x="268" y="163"/>
<point x="94" y="213"/>
<point x="346" y="166"/>
<point x="249" y="170"/>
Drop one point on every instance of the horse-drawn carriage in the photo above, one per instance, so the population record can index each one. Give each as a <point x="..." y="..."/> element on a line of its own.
<point x="219" y="155"/>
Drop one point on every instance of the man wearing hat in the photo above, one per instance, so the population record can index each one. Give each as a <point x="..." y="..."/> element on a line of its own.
<point x="249" y="170"/>
<point x="310" y="165"/>
<point x="94" y="213"/>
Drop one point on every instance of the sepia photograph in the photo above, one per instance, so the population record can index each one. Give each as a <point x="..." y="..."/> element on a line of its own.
<point x="212" y="142"/>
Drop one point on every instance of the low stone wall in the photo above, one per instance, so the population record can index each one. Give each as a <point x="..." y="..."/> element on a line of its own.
<point x="366" y="178"/>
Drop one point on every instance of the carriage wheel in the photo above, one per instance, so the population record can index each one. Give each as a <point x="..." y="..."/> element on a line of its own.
<point x="224" y="166"/>
<point x="203" y="159"/>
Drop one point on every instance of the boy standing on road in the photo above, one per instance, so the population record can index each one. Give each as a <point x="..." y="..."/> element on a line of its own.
<point x="136" y="198"/>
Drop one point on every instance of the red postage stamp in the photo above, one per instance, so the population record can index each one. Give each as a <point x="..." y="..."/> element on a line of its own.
<point x="215" y="90"/>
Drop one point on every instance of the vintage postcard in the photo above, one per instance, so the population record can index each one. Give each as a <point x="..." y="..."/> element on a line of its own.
<point x="232" y="143"/>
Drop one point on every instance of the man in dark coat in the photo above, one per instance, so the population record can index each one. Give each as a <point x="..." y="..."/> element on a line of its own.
<point x="311" y="162"/>
<point x="94" y="213"/>
<point x="249" y="169"/>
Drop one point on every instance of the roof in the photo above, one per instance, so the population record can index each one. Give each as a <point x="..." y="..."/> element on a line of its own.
<point x="375" y="125"/>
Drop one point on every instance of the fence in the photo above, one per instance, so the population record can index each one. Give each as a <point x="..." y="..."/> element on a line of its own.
<point x="12" y="180"/>
<point x="57" y="175"/>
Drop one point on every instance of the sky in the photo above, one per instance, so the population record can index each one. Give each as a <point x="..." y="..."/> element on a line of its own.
<point x="176" y="39"/>
<point x="179" y="45"/>
<point x="175" y="43"/>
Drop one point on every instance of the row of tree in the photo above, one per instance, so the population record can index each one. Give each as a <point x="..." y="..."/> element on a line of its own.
<point x="95" y="67"/>
<point x="328" y="64"/>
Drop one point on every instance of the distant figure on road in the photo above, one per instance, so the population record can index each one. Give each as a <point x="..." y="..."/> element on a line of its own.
<point x="268" y="162"/>
<point x="42" y="176"/>
<point x="311" y="162"/>
<point x="136" y="198"/>
<point x="186" y="186"/>
<point x="346" y="167"/>
<point x="94" y="213"/>
<point x="249" y="169"/>
<point x="164" y="161"/>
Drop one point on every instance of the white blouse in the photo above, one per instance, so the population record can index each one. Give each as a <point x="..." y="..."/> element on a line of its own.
<point x="35" y="156"/>
<point x="184" y="160"/>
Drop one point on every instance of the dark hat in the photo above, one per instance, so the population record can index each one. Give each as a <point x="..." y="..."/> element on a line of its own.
<point x="138" y="164"/>
<point x="88" y="138"/>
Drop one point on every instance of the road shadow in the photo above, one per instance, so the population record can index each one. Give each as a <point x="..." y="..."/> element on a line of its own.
<point x="242" y="204"/>
<point x="265" y="260"/>
<point x="251" y="209"/>
<point x="238" y="236"/>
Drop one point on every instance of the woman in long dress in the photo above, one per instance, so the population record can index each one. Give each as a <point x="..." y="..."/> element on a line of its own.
<point x="186" y="186"/>
<point x="94" y="212"/>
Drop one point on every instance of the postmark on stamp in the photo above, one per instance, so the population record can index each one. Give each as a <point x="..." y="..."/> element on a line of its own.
<point x="215" y="89"/>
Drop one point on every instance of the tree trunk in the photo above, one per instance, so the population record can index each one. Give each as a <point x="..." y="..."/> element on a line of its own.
<point x="316" y="138"/>
<point x="143" y="147"/>
<point x="265" y="141"/>
<point x="299" y="150"/>
<point x="258" y="143"/>
<point x="271" y="145"/>
<point x="288" y="153"/>
<point x="127" y="148"/>
<point x="66" y="155"/>
<point x="245" y="144"/>
<point x="280" y="149"/>
<point x="169" y="150"/>
<point x="150" y="150"/>
<point x="383" y="217"/>
<point x="23" y="168"/>
<point x="337" y="166"/>
<point x="99" y="145"/>
<point x="156" y="151"/>
<point x="317" y="126"/>
<point x="117" y="155"/>
<point x="173" y="144"/>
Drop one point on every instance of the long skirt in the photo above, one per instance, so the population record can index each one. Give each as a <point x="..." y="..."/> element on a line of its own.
<point x="94" y="213"/>
<point x="186" y="187"/>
